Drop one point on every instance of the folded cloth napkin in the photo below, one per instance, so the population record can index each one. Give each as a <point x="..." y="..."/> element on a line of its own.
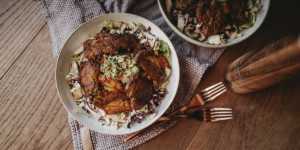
<point x="64" y="17"/>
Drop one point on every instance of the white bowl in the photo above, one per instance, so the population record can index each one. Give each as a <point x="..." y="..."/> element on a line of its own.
<point x="261" y="15"/>
<point x="88" y="29"/>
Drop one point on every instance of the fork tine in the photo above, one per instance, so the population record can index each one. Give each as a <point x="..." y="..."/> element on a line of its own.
<point x="214" y="88"/>
<point x="217" y="112"/>
<point x="211" y="87"/>
<point x="215" y="96"/>
<point x="219" y="119"/>
<point x="209" y="114"/>
<point x="216" y="109"/>
<point x="220" y="115"/>
<point x="213" y="92"/>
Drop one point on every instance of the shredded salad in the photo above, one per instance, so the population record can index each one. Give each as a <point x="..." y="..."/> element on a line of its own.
<point x="186" y="21"/>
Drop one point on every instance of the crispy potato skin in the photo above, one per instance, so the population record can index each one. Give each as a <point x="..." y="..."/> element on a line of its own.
<point x="113" y="85"/>
<point x="117" y="106"/>
<point x="140" y="91"/>
<point x="153" y="65"/>
<point x="88" y="78"/>
<point x="137" y="95"/>
<point x="112" y="102"/>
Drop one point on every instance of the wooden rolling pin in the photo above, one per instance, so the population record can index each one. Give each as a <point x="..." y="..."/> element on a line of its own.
<point x="265" y="67"/>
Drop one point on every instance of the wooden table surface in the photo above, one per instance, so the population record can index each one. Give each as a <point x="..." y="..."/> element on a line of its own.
<point x="32" y="116"/>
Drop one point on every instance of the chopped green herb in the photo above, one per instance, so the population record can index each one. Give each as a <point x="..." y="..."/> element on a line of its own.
<point x="164" y="48"/>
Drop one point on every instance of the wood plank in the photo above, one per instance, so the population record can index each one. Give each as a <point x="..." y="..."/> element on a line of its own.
<point x="71" y="146"/>
<point x="5" y="5"/>
<point x="261" y="120"/>
<point x="44" y="49"/>
<point x="18" y="27"/>
<point x="33" y="116"/>
<point x="189" y="133"/>
<point x="269" y="114"/>
<point x="178" y="137"/>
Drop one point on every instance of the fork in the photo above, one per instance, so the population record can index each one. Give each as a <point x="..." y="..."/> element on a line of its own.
<point x="203" y="114"/>
<point x="206" y="95"/>
<point x="209" y="114"/>
<point x="212" y="92"/>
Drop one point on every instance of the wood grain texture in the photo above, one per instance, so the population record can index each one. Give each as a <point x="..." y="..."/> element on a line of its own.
<point x="272" y="64"/>
<point x="261" y="119"/>
<point x="19" y="24"/>
<point x="33" y="116"/>
<point x="42" y="45"/>
<point x="6" y="5"/>
<point x="33" y="110"/>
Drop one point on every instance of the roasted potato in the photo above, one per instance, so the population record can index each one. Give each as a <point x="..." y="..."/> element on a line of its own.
<point x="140" y="91"/>
<point x="153" y="65"/>
<point x="117" y="106"/>
<point x="88" y="78"/>
<point x="112" y="85"/>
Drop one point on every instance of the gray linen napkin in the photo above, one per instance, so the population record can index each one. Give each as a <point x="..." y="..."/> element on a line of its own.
<point x="64" y="17"/>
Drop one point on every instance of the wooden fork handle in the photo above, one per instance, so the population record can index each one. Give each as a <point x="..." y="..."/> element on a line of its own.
<point x="171" y="117"/>
<point x="157" y="123"/>
<point x="196" y="101"/>
<point x="86" y="138"/>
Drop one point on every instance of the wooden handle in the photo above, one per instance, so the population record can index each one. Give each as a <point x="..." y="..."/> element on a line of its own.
<point x="196" y="101"/>
<point x="86" y="138"/>
<point x="262" y="68"/>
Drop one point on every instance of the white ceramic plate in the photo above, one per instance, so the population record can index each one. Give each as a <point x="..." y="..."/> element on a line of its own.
<point x="89" y="29"/>
<point x="261" y="15"/>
